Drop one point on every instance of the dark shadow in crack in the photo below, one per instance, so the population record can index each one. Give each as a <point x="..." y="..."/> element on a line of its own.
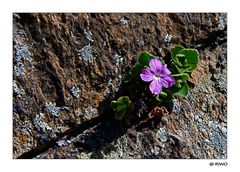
<point x="103" y="137"/>
<point x="101" y="131"/>
<point x="44" y="147"/>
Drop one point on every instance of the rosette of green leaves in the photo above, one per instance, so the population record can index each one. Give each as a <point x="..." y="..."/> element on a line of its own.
<point x="184" y="61"/>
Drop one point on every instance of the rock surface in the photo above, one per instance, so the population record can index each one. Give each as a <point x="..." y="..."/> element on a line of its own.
<point x="68" y="67"/>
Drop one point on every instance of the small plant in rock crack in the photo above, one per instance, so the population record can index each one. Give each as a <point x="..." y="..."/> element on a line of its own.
<point x="164" y="80"/>
<point x="121" y="106"/>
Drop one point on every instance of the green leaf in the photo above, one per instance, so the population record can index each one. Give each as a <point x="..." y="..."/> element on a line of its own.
<point x="121" y="111"/>
<point x="178" y="83"/>
<point x="164" y="97"/>
<point x="174" y="52"/>
<point x="191" y="59"/>
<point x="182" y="91"/>
<point x="174" y="68"/>
<point x="114" y="104"/>
<point x="162" y="94"/>
<point x="181" y="76"/>
<point x="120" y="106"/>
<point x="136" y="70"/>
<point x="185" y="59"/>
<point x="127" y="78"/>
<point x="120" y="114"/>
<point x="144" y="58"/>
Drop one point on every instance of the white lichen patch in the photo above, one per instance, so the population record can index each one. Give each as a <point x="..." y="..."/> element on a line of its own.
<point x="19" y="69"/>
<point x="119" y="61"/>
<point x="90" y="111"/>
<point x="89" y="35"/>
<point x="218" y="136"/>
<point x="22" y="136"/>
<point x="22" y="52"/>
<point x="61" y="143"/>
<point x="24" y="103"/>
<point x="113" y="85"/>
<point x="40" y="125"/>
<point x="125" y="20"/>
<point x="52" y="108"/>
<point x="118" y="58"/>
<point x="222" y="22"/>
<point x="87" y="112"/>
<point x="86" y="53"/>
<point x="168" y="38"/>
<point x="162" y="134"/>
<point x="19" y="91"/>
<point x="75" y="91"/>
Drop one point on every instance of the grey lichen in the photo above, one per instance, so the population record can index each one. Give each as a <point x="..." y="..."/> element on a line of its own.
<point x="162" y="134"/>
<point x="86" y="53"/>
<point x="118" y="58"/>
<point x="90" y="111"/>
<point x="19" y="91"/>
<point x="75" y="91"/>
<point x="19" y="69"/>
<point x="53" y="109"/>
<point x="125" y="20"/>
<point x="119" y="61"/>
<point x="167" y="38"/>
<point x="222" y="22"/>
<point x="61" y="143"/>
<point x="24" y="103"/>
<point x="218" y="137"/>
<point x="40" y="125"/>
<point x="220" y="83"/>
<point x="113" y="85"/>
<point x="23" y="136"/>
<point x="176" y="106"/>
<point x="22" y="52"/>
<point x="89" y="35"/>
<point x="87" y="112"/>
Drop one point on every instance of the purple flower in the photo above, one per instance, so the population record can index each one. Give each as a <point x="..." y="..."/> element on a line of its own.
<point x="159" y="76"/>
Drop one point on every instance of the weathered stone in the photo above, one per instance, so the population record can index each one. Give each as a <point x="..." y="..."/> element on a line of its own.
<point x="68" y="67"/>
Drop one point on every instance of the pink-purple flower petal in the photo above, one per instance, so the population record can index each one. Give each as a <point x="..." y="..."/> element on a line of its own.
<point x="164" y="83"/>
<point x="165" y="70"/>
<point x="169" y="79"/>
<point x="155" y="65"/>
<point x="155" y="87"/>
<point x="158" y="74"/>
<point x="146" y="75"/>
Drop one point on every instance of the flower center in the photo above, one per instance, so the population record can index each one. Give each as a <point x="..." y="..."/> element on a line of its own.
<point x="157" y="75"/>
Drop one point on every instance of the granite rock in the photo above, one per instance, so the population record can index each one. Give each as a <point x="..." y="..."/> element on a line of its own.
<point x="68" y="67"/>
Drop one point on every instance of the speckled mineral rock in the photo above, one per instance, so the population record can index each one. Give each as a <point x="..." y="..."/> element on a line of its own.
<point x="68" y="67"/>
